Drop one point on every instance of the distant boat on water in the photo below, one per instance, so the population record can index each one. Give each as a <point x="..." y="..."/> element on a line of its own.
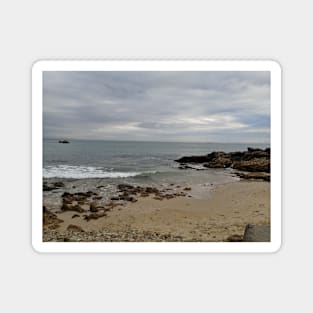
<point x="63" y="141"/>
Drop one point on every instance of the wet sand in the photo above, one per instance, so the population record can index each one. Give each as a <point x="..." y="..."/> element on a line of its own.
<point x="217" y="215"/>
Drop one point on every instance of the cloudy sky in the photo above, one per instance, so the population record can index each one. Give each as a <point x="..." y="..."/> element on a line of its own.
<point x="157" y="106"/>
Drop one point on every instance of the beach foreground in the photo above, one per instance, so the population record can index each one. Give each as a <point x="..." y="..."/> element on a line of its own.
<point x="185" y="214"/>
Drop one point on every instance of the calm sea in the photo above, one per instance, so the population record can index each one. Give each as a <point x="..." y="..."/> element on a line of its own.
<point x="124" y="159"/>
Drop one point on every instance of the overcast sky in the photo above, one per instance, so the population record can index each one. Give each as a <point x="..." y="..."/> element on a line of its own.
<point x="157" y="106"/>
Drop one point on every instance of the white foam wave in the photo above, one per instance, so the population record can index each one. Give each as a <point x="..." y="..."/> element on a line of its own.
<point x="71" y="171"/>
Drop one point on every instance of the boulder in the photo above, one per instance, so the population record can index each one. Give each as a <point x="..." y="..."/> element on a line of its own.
<point x="257" y="233"/>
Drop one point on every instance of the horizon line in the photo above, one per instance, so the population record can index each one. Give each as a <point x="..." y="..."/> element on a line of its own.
<point x="156" y="141"/>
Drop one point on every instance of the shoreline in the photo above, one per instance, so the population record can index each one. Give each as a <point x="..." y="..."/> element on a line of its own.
<point x="168" y="214"/>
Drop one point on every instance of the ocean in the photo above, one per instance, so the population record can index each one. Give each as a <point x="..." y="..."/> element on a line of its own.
<point x="137" y="162"/>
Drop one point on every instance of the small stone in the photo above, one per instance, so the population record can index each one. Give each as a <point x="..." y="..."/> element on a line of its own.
<point x="74" y="228"/>
<point x="234" y="238"/>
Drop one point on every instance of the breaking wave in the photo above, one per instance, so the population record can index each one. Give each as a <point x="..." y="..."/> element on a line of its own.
<point x="71" y="171"/>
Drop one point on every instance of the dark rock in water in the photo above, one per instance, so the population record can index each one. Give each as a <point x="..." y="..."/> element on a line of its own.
<point x="57" y="185"/>
<point x="47" y="188"/>
<point x="63" y="141"/>
<point x="75" y="215"/>
<point x="184" y="167"/>
<point x="193" y="159"/>
<point x="125" y="187"/>
<point x="257" y="233"/>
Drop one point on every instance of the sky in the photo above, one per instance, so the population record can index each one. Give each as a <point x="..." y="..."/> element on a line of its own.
<point x="157" y="106"/>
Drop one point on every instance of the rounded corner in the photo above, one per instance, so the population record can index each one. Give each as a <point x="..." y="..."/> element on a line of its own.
<point x="276" y="247"/>
<point x="37" y="65"/>
<point x="36" y="247"/>
<point x="276" y="65"/>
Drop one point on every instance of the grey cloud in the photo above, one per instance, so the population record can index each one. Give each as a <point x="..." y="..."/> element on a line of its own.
<point x="171" y="106"/>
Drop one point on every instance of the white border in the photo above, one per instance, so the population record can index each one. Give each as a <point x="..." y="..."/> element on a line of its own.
<point x="37" y="98"/>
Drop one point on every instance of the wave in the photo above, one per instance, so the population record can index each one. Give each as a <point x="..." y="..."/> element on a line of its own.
<point x="72" y="171"/>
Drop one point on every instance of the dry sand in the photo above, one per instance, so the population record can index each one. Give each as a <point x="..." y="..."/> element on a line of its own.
<point x="225" y="212"/>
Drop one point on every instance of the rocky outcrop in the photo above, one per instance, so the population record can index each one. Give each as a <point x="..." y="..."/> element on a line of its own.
<point x="63" y="141"/>
<point x="252" y="160"/>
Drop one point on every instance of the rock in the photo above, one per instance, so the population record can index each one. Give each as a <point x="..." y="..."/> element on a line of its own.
<point x="253" y="165"/>
<point x="98" y="198"/>
<point x="76" y="208"/>
<point x="93" y="207"/>
<point x="157" y="198"/>
<point x="234" y="238"/>
<point x="74" y="228"/>
<point x="252" y="160"/>
<point x="257" y="233"/>
<point x="184" y="167"/>
<point x="75" y="215"/>
<point x="254" y="175"/>
<point x="65" y="207"/>
<point x="49" y="218"/>
<point x="144" y="194"/>
<point x="187" y="188"/>
<point x="115" y="198"/>
<point x="94" y="216"/>
<point x="66" y="194"/>
<point x="193" y="159"/>
<point x="67" y="201"/>
<point x="125" y="187"/>
<point x="46" y="187"/>
<point x="63" y="141"/>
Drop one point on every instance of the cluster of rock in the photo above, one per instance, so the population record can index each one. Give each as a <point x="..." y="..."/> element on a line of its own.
<point x="128" y="193"/>
<point x="86" y="205"/>
<point x="53" y="186"/>
<point x="85" y="202"/>
<point x="252" y="160"/>
<point x="76" y="234"/>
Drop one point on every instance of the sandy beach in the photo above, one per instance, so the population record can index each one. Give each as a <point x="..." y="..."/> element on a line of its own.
<point x="217" y="214"/>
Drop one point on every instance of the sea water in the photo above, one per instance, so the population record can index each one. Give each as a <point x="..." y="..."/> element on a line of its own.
<point x="133" y="161"/>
